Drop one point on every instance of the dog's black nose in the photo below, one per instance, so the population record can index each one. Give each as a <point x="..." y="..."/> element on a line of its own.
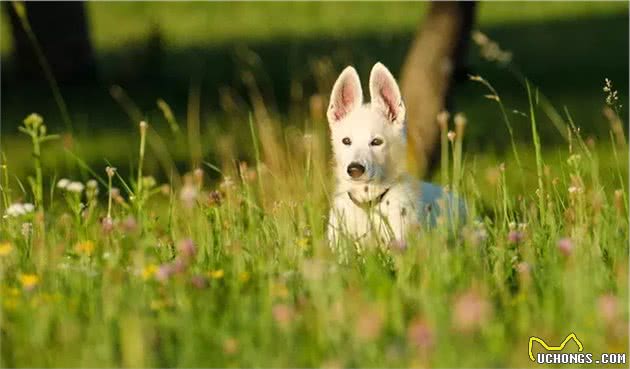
<point x="355" y="170"/>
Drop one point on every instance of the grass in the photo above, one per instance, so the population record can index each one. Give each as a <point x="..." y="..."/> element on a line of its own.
<point x="227" y="265"/>
<point x="238" y="272"/>
<point x="226" y="22"/>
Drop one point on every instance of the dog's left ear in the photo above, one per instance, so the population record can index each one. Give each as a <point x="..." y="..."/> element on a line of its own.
<point x="385" y="94"/>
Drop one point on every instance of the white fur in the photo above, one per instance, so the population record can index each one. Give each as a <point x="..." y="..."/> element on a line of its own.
<point x="385" y="165"/>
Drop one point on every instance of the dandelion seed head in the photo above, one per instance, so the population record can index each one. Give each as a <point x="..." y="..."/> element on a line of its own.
<point x="63" y="183"/>
<point x="76" y="187"/>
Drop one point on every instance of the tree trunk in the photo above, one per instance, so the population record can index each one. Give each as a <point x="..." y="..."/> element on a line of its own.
<point x="62" y="32"/>
<point x="433" y="63"/>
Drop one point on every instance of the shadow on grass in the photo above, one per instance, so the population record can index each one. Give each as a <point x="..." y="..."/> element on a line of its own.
<point x="568" y="59"/>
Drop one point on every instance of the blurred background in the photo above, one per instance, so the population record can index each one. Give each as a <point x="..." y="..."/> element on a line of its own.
<point x="211" y="64"/>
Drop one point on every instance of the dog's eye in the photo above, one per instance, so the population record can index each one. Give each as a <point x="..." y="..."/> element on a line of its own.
<point x="376" y="142"/>
<point x="346" y="141"/>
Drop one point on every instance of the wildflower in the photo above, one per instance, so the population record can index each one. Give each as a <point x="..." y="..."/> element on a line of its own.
<point x="419" y="334"/>
<point x="33" y="120"/>
<point x="5" y="248"/>
<point x="148" y="271"/>
<point x="451" y="136"/>
<point x="92" y="184"/>
<point x="574" y="190"/>
<point x="85" y="248"/>
<point x="27" y="228"/>
<point x="523" y="268"/>
<point x="16" y="210"/>
<point x="214" y="198"/>
<point x="187" y="248"/>
<point x="130" y="225"/>
<point x="110" y="171"/>
<point x="188" y="193"/>
<point x="76" y="187"/>
<point x="164" y="272"/>
<point x="29" y="281"/>
<point x="244" y="277"/>
<point x="608" y="307"/>
<point x="515" y="237"/>
<point x="282" y="314"/>
<point x="442" y="119"/>
<point x="107" y="224"/>
<point x="302" y="243"/>
<point x="148" y="182"/>
<point x="63" y="183"/>
<point x="216" y="274"/>
<point x="199" y="281"/>
<point x="565" y="246"/>
<point x="230" y="346"/>
<point x="460" y="121"/>
<point x="471" y="311"/>
<point x="368" y="325"/>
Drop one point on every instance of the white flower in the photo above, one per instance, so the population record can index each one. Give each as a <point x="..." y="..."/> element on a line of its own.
<point x="75" y="187"/>
<point x="15" y="210"/>
<point x="92" y="184"/>
<point x="63" y="183"/>
<point x="18" y="209"/>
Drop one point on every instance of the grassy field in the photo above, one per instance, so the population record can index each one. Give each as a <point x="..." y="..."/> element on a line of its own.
<point x="159" y="264"/>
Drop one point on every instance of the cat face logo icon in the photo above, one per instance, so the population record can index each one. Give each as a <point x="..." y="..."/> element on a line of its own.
<point x="571" y="336"/>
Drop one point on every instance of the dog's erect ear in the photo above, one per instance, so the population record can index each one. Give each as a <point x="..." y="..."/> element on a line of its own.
<point x="346" y="95"/>
<point x="385" y="94"/>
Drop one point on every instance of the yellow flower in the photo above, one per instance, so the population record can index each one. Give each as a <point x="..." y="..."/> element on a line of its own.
<point x="244" y="277"/>
<point x="279" y="290"/>
<point x="216" y="274"/>
<point x="29" y="281"/>
<point x="302" y="243"/>
<point x="5" y="248"/>
<point x="85" y="248"/>
<point x="149" y="271"/>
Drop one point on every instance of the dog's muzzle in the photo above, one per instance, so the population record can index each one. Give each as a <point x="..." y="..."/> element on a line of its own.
<point x="355" y="170"/>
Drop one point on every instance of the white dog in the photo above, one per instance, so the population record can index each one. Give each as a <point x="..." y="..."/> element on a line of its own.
<point x="375" y="196"/>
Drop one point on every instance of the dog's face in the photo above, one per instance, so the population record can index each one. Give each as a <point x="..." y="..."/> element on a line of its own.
<point x="368" y="140"/>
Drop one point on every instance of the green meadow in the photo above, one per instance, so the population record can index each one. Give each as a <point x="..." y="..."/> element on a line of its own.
<point x="176" y="216"/>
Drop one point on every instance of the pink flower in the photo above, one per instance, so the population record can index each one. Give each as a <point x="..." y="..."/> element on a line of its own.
<point x="164" y="272"/>
<point x="107" y="225"/>
<point x="419" y="334"/>
<point x="515" y="237"/>
<point x="199" y="281"/>
<point x="608" y="307"/>
<point x="129" y="225"/>
<point x="369" y="325"/>
<point x="565" y="246"/>
<point x="471" y="311"/>
<point x="187" y="248"/>
<point x="523" y="269"/>
<point x="282" y="314"/>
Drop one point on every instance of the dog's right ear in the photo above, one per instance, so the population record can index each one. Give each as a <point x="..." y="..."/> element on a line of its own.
<point x="346" y="95"/>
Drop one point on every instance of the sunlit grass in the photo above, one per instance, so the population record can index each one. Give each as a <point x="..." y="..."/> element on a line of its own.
<point x="237" y="272"/>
